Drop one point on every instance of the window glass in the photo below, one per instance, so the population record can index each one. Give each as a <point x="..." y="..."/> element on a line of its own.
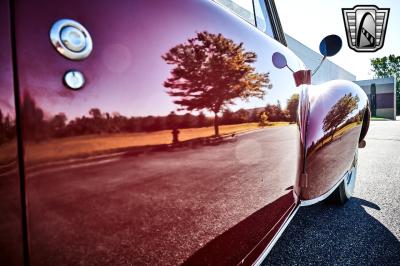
<point x="262" y="17"/>
<point x="242" y="8"/>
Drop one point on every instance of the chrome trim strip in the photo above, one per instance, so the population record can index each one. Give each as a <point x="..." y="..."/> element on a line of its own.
<point x="325" y="195"/>
<point x="275" y="239"/>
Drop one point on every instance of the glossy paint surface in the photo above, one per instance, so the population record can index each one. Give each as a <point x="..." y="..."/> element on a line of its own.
<point x="10" y="198"/>
<point x="113" y="177"/>
<point x="336" y="114"/>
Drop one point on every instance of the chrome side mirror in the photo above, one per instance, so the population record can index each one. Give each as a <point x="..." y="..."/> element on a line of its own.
<point x="330" y="45"/>
<point x="279" y="60"/>
<point x="300" y="77"/>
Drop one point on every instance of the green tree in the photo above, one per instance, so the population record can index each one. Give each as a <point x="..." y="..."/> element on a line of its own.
<point x="339" y="112"/>
<point x="227" y="117"/>
<point x="274" y="113"/>
<point x="187" y="121"/>
<point x="254" y="116"/>
<point x="201" y="120"/>
<point x="263" y="120"/>
<point x="96" y="124"/>
<point x="210" y="72"/>
<point x="95" y="113"/>
<point x="292" y="106"/>
<point x="172" y="120"/>
<point x="241" y="116"/>
<point x="58" y="123"/>
<point x="32" y="117"/>
<point x="388" y="66"/>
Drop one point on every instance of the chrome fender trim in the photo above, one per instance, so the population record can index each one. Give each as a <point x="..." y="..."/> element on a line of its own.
<point x="325" y="195"/>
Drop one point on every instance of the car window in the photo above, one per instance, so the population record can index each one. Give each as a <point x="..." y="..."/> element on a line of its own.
<point x="263" y="21"/>
<point x="256" y="15"/>
<point x="242" y="8"/>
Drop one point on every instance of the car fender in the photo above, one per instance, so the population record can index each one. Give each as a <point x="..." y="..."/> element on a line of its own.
<point x="337" y="121"/>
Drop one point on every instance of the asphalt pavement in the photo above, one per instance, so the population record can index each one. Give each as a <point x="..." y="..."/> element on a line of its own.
<point x="366" y="231"/>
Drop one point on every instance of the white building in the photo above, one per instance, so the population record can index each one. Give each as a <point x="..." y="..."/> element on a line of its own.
<point x="382" y="96"/>
<point x="328" y="70"/>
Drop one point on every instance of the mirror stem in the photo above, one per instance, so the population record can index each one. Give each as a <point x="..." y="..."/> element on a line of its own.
<point x="316" y="69"/>
<point x="290" y="68"/>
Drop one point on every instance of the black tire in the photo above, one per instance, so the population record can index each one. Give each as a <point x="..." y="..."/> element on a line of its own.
<point x="346" y="188"/>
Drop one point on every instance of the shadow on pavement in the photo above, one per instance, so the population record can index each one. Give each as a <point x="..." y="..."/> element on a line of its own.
<point x="325" y="234"/>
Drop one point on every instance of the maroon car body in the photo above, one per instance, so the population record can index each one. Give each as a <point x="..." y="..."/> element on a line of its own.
<point x="93" y="176"/>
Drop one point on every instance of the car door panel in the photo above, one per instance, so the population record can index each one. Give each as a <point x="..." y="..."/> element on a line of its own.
<point x="103" y="188"/>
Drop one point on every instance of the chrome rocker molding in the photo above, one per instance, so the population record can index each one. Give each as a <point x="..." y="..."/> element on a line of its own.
<point x="303" y="203"/>
<point x="266" y="251"/>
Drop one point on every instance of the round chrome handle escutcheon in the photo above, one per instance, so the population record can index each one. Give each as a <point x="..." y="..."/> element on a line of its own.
<point x="74" y="79"/>
<point x="71" y="39"/>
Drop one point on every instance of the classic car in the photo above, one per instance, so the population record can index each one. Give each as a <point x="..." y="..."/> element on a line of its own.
<point x="163" y="132"/>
